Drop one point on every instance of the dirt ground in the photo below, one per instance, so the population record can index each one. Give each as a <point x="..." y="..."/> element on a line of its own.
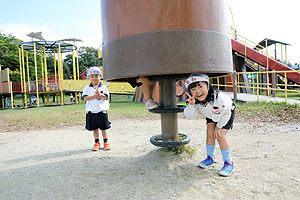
<point x="58" y="164"/>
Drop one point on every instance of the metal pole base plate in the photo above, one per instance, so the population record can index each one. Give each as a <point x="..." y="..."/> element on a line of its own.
<point x="156" y="140"/>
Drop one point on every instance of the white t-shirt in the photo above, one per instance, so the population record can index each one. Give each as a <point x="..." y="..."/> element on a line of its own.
<point x="218" y="110"/>
<point x="96" y="105"/>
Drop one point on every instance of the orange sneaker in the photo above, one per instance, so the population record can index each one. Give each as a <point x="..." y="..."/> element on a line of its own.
<point x="106" y="146"/>
<point x="96" y="147"/>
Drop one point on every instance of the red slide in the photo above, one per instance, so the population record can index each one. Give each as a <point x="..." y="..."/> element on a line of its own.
<point x="262" y="60"/>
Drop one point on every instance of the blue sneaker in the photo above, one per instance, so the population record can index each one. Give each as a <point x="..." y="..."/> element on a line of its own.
<point x="227" y="170"/>
<point x="207" y="163"/>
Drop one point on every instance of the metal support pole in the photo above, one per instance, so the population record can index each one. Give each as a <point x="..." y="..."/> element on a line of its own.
<point x="285" y="55"/>
<point x="56" y="94"/>
<point x="3" y="104"/>
<point x="238" y="83"/>
<point x="42" y="66"/>
<point x="54" y="66"/>
<point x="252" y="76"/>
<point x="234" y="86"/>
<point x="60" y="75"/>
<point x="74" y="66"/>
<point x="46" y="70"/>
<point x="28" y="78"/>
<point x="285" y="87"/>
<point x="76" y="99"/>
<point x="24" y="79"/>
<point x="275" y="52"/>
<point x="11" y="95"/>
<point x="77" y="65"/>
<point x="21" y="71"/>
<point x="245" y="47"/>
<point x="257" y="86"/>
<point x="36" y="76"/>
<point x="44" y="101"/>
<point x="169" y="122"/>
<point x="48" y="99"/>
<point x="267" y="68"/>
<point x="274" y="82"/>
<point x="281" y="54"/>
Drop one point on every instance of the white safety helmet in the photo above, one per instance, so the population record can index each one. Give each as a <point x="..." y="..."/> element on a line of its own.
<point x="94" y="70"/>
<point x="195" y="78"/>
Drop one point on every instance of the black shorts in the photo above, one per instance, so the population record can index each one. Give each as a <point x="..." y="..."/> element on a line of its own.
<point x="229" y="124"/>
<point x="97" y="120"/>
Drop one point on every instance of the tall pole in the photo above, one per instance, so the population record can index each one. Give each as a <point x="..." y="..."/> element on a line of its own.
<point x="62" y="74"/>
<point x="46" y="71"/>
<point x="21" y="71"/>
<point x="234" y="86"/>
<point x="78" y="72"/>
<point x="24" y="81"/>
<point x="36" y="77"/>
<point x="77" y="64"/>
<point x="55" y="76"/>
<point x="169" y="122"/>
<point x="286" y="55"/>
<point x="74" y="66"/>
<point x="267" y="68"/>
<point x="42" y="65"/>
<point x="275" y="52"/>
<point x="10" y="89"/>
<point x="281" y="54"/>
<point x="74" y="72"/>
<point x="58" y="65"/>
<point x="28" y="79"/>
<point x="61" y="66"/>
<point x="60" y="77"/>
<point x="54" y="66"/>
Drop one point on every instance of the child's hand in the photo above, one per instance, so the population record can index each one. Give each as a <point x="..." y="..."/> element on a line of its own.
<point x="217" y="132"/>
<point x="101" y="95"/>
<point x="97" y="90"/>
<point x="191" y="99"/>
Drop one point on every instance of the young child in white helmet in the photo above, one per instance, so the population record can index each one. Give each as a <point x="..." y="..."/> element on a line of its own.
<point x="219" y="110"/>
<point x="96" y="96"/>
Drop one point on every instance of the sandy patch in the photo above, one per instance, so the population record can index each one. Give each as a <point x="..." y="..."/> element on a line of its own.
<point x="58" y="164"/>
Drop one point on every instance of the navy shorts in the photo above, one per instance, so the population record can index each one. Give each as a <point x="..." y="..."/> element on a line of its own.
<point x="229" y="124"/>
<point x="97" y="120"/>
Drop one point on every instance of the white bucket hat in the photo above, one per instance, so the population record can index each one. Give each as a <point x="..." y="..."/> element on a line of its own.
<point x="94" y="70"/>
<point x="196" y="78"/>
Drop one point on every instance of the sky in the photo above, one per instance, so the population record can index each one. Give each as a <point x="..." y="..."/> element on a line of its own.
<point x="59" y="19"/>
<point x="274" y="19"/>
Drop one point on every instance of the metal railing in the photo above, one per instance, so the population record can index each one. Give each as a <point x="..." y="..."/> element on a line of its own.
<point x="256" y="82"/>
<point x="17" y="87"/>
<point x="262" y="49"/>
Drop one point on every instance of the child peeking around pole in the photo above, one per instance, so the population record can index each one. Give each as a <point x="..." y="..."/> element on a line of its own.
<point x="147" y="87"/>
<point x="96" y="96"/>
<point x="219" y="111"/>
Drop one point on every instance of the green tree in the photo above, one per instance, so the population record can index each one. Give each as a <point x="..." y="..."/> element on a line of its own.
<point x="9" y="58"/>
<point x="88" y="57"/>
<point x="9" y="55"/>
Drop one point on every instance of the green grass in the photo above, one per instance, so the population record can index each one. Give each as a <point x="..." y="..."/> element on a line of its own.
<point x="281" y="94"/>
<point x="121" y="107"/>
<point x="268" y="111"/>
<point x="47" y="117"/>
<point x="290" y="95"/>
